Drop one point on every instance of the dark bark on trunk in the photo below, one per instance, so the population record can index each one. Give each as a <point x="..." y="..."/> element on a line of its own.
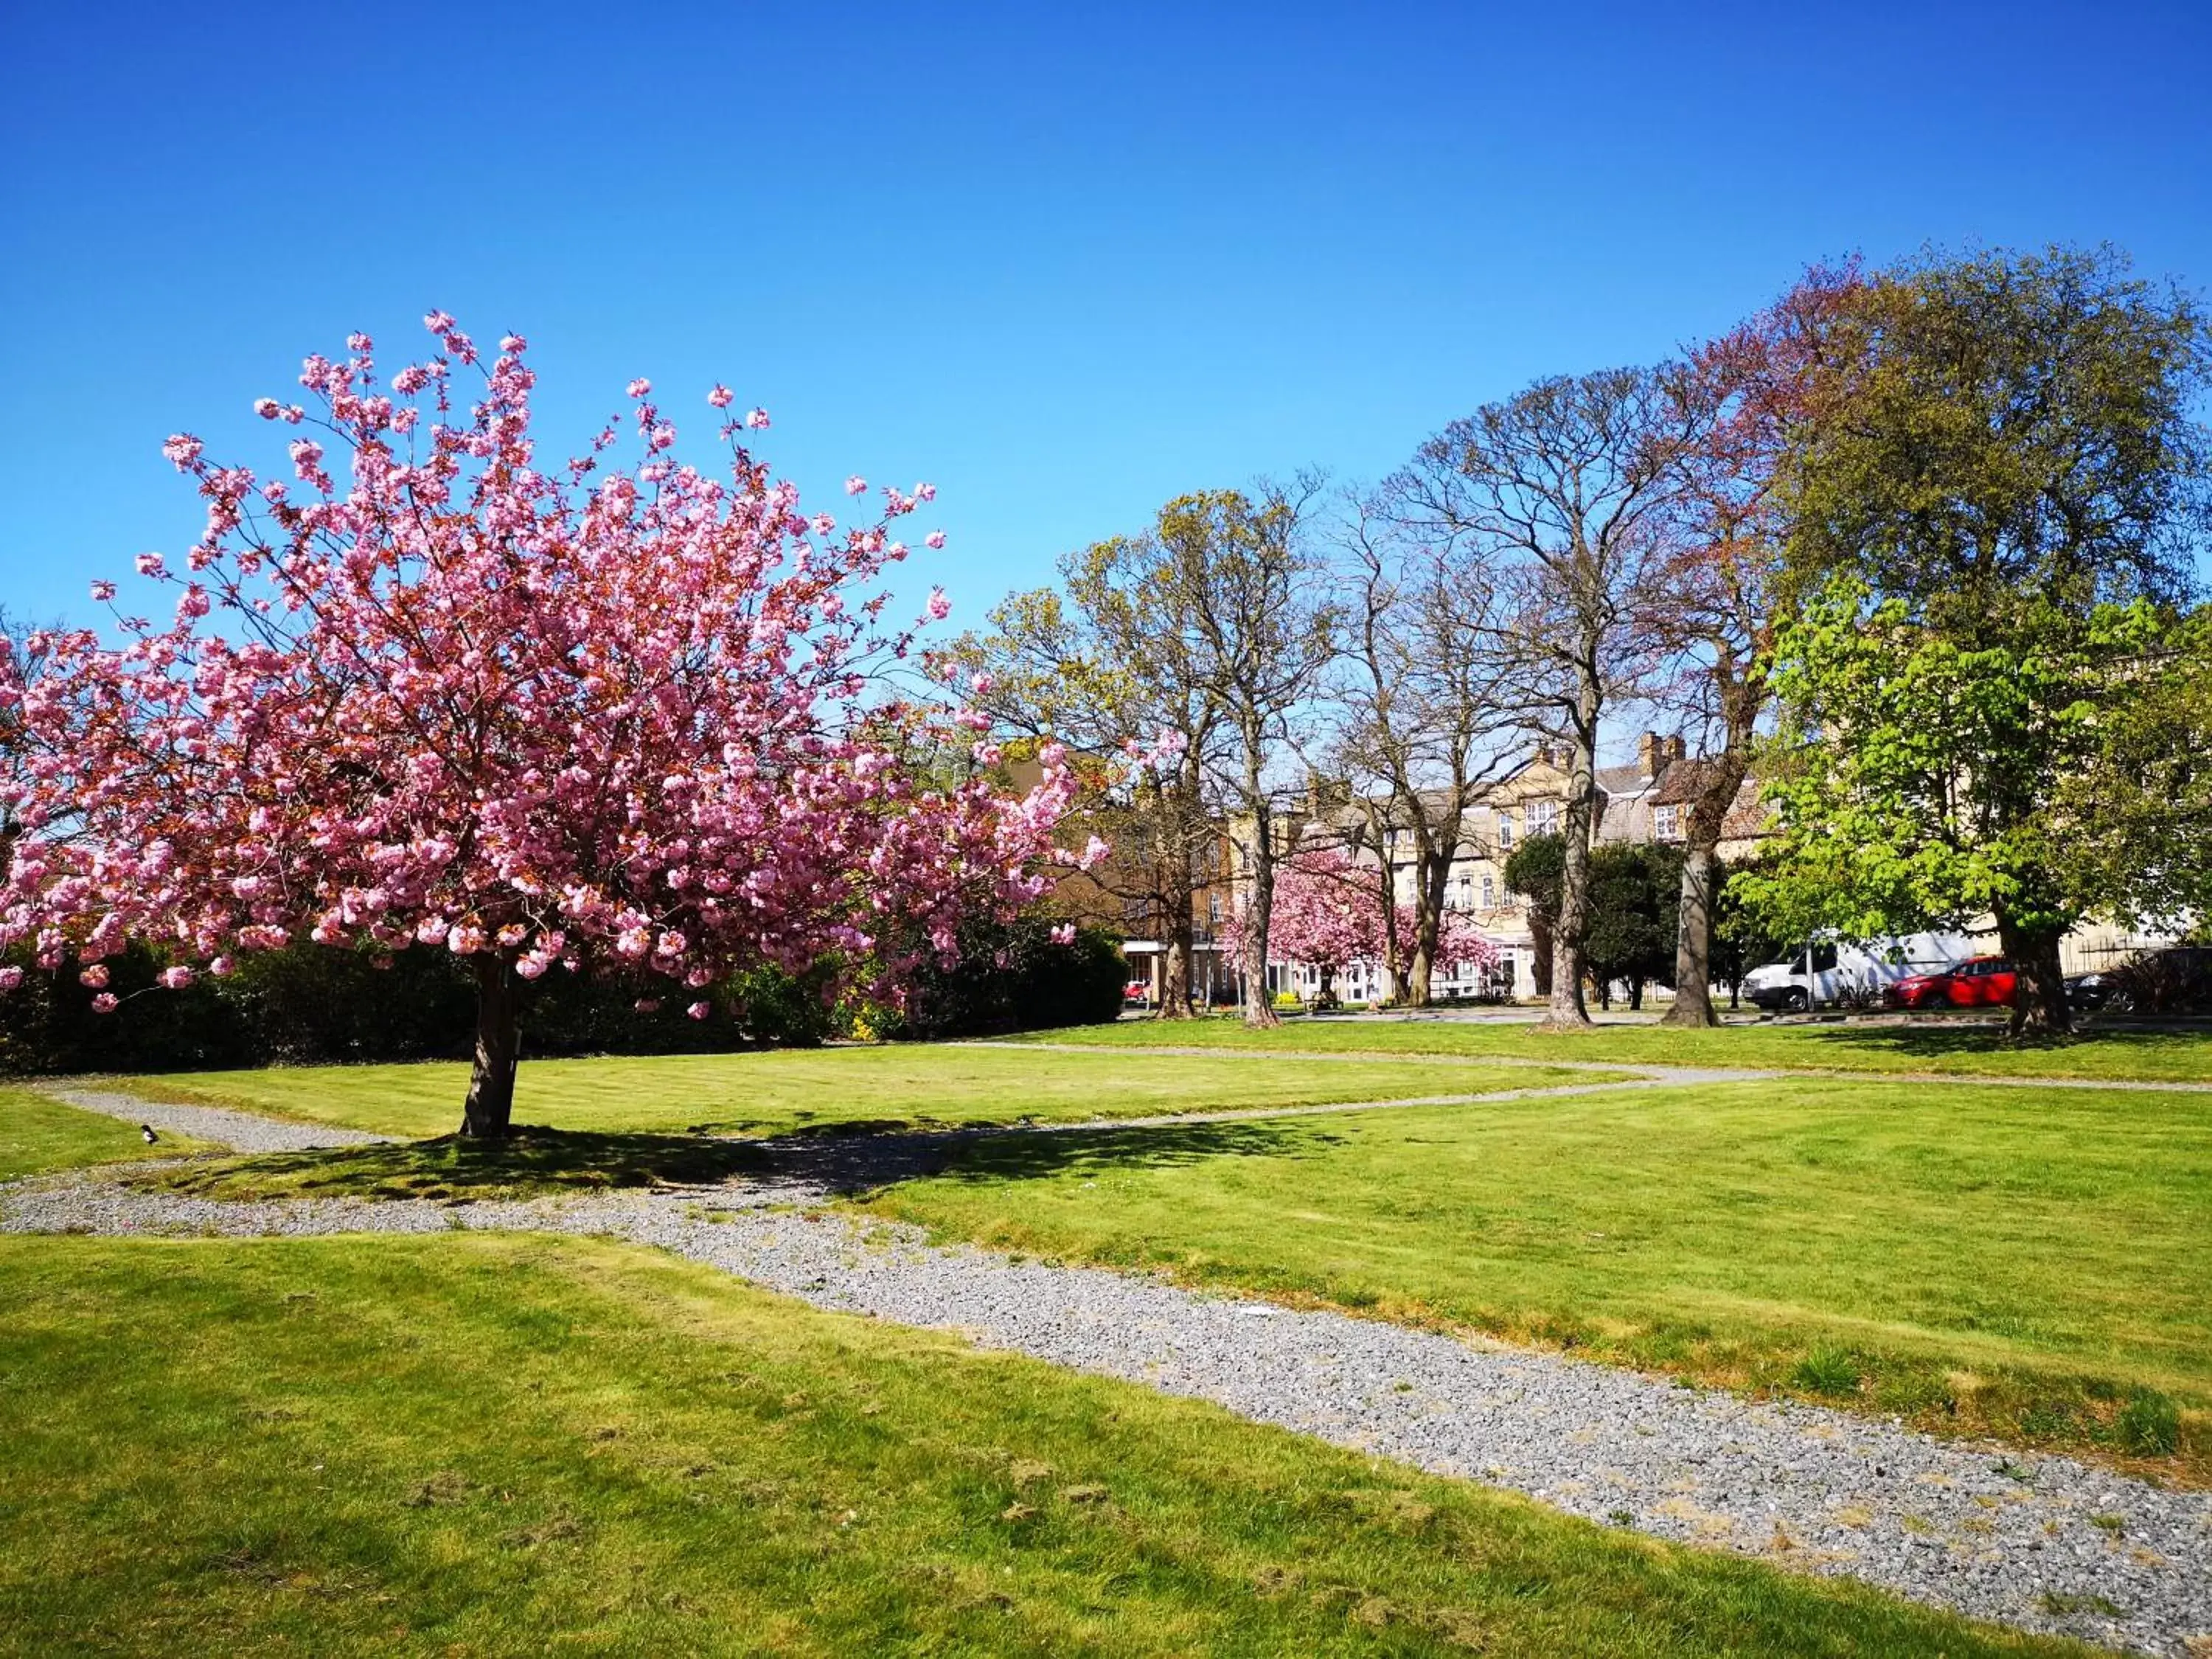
<point x="1182" y="952"/>
<point x="1259" y="999"/>
<point x="2040" y="1008"/>
<point x="1635" y="996"/>
<point x="488" y="1113"/>
<point x="1540" y="956"/>
<point x="1693" y="943"/>
<point x="1177" y="886"/>
<point x="1394" y="947"/>
<point x="1568" y="1010"/>
<point x="1432" y="868"/>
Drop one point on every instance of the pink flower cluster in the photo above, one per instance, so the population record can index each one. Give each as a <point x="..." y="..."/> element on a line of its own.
<point x="428" y="690"/>
<point x="1328" y="914"/>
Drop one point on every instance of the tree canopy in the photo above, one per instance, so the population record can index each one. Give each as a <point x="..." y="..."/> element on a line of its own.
<point x="1996" y="500"/>
<point x="430" y="691"/>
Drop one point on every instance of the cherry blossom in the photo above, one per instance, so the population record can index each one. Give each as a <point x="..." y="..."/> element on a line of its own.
<point x="441" y="690"/>
<point x="1327" y="915"/>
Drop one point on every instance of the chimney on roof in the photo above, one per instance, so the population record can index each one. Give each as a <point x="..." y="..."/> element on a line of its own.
<point x="1677" y="748"/>
<point x="1648" y="754"/>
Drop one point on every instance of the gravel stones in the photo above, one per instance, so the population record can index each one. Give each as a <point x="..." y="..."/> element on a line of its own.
<point x="2046" y="1543"/>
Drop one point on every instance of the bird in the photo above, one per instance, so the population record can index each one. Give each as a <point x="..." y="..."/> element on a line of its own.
<point x="147" y="1130"/>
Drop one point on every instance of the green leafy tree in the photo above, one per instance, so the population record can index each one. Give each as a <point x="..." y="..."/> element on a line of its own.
<point x="1537" y="870"/>
<point x="1996" y="504"/>
<point x="1636" y="894"/>
<point x="1741" y="939"/>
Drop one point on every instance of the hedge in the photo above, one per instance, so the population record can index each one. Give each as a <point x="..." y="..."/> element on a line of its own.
<point x="311" y="1005"/>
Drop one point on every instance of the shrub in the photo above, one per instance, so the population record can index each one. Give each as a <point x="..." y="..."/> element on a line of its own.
<point x="312" y="1004"/>
<point x="1012" y="977"/>
<point x="47" y="1023"/>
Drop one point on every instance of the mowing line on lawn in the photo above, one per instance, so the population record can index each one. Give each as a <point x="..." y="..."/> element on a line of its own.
<point x="1653" y="1070"/>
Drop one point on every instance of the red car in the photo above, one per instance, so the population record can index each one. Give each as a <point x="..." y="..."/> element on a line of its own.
<point x="1979" y="983"/>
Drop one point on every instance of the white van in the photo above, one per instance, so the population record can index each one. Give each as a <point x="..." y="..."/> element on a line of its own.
<point x="1841" y="971"/>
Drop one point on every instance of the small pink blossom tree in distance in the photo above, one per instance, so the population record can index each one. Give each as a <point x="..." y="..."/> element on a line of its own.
<point x="1328" y="915"/>
<point x="430" y="691"/>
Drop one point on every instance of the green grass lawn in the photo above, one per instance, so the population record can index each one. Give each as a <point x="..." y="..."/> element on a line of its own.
<point x="38" y="1133"/>
<point x="897" y="1086"/>
<point x="2034" y="1262"/>
<point x="1931" y="1046"/>
<point x="498" y="1445"/>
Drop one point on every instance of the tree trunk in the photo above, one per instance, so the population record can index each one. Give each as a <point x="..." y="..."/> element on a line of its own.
<point x="1432" y="872"/>
<point x="1394" y="953"/>
<point x="1181" y="949"/>
<point x="1568" y="1010"/>
<point x="2039" y="1004"/>
<point x="1259" y="1000"/>
<point x="1693" y="943"/>
<point x="1636" y="995"/>
<point x="1540" y="956"/>
<point x="489" y="1112"/>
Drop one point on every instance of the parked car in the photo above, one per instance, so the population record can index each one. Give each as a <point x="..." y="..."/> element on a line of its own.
<point x="2093" y="991"/>
<point x="1979" y="983"/>
<point x="2175" y="980"/>
<point x="1137" y="993"/>
<point x="1845" y="975"/>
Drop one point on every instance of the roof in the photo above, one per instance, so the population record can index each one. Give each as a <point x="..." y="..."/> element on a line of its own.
<point x="1683" y="781"/>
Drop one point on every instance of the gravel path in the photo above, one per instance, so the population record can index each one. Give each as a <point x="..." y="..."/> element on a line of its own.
<point x="244" y="1132"/>
<point x="2041" y="1542"/>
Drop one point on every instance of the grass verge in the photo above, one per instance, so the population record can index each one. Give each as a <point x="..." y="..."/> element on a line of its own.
<point x="500" y="1445"/>
<point x="2029" y="1264"/>
<point x="1931" y="1046"/>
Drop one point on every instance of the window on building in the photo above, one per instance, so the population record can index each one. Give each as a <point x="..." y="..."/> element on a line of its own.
<point x="1667" y="823"/>
<point x="1543" y="817"/>
<point x="1506" y="828"/>
<point x="1466" y="890"/>
<point x="1489" y="894"/>
<point x="1213" y="907"/>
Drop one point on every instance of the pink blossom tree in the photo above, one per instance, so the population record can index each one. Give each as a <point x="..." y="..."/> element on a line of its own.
<point x="1328" y="914"/>
<point x="429" y="691"/>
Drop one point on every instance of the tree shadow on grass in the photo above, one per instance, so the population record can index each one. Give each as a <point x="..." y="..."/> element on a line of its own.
<point x="1932" y="1041"/>
<point x="997" y="1154"/>
<point x="844" y="1158"/>
<point x="531" y="1161"/>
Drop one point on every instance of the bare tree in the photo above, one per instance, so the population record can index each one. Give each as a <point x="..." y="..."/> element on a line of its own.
<point x="1563" y="490"/>
<point x="1104" y="662"/>
<point x="1735" y="398"/>
<point x="1427" y="710"/>
<point x="1235" y="570"/>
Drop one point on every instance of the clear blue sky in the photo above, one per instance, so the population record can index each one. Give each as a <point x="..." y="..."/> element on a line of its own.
<point x="1064" y="260"/>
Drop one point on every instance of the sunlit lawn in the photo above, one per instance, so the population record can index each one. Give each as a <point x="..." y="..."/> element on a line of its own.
<point x="2029" y="1261"/>
<point x="774" y="1092"/>
<point x="498" y="1445"/>
<point x="1929" y="1045"/>
<point x="38" y="1134"/>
